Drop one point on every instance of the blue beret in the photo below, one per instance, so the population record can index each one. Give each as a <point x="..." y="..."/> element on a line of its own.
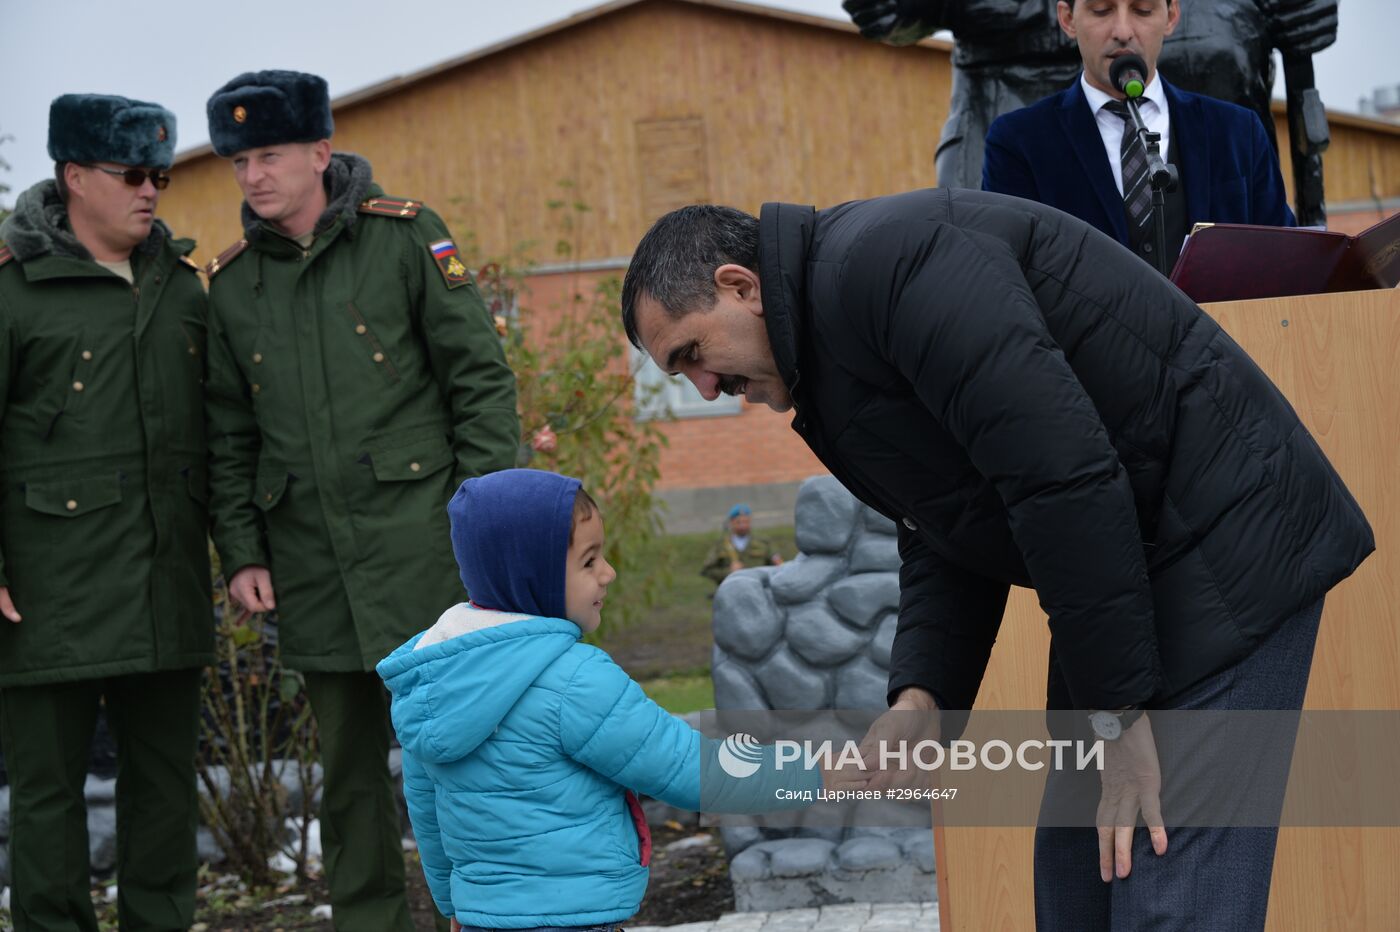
<point x="269" y="108"/>
<point x="103" y="128"/>
<point x="740" y="509"/>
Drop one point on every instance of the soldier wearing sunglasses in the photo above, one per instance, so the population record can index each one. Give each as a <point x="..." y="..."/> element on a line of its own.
<point x="104" y="569"/>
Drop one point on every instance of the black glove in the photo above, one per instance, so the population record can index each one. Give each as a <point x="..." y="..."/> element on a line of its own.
<point x="1302" y="27"/>
<point x="899" y="22"/>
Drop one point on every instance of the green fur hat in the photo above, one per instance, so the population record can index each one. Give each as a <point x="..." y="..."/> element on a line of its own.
<point x="102" y="128"/>
<point x="269" y="108"/>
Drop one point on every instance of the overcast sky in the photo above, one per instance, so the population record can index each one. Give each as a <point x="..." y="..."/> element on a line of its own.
<point x="179" y="53"/>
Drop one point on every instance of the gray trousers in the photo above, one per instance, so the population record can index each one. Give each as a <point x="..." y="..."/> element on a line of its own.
<point x="1210" y="878"/>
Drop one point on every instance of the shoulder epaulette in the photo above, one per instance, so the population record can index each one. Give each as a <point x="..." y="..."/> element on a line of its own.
<point x="391" y="207"/>
<point x="225" y="257"/>
<point x="5" y="254"/>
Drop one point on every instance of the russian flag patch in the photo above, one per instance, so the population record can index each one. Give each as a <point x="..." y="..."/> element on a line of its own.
<point x="444" y="253"/>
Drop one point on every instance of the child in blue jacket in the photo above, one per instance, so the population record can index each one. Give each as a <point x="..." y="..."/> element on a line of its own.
<point x="522" y="746"/>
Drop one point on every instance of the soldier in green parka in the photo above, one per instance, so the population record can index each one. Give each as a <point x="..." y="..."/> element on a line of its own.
<point x="738" y="547"/>
<point x="356" y="379"/>
<point x="104" y="555"/>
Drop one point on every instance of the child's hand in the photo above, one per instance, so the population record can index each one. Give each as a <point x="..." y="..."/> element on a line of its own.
<point x="456" y="926"/>
<point x="849" y="777"/>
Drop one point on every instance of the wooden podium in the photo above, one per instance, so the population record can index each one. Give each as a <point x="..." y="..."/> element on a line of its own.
<point x="1337" y="359"/>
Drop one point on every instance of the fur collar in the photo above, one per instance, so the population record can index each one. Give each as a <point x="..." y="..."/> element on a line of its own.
<point x="347" y="180"/>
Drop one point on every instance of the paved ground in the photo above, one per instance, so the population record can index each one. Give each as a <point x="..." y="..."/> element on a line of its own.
<point x="855" y="917"/>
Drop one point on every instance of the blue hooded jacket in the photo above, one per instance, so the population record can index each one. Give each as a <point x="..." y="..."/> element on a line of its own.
<point x="520" y="742"/>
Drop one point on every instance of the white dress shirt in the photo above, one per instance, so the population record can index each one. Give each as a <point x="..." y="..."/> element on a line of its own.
<point x="1153" y="107"/>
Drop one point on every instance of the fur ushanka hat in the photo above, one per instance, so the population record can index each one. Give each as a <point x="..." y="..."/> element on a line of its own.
<point x="269" y="108"/>
<point x="101" y="128"/>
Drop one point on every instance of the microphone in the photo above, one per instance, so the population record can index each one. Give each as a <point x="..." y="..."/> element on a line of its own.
<point x="1128" y="73"/>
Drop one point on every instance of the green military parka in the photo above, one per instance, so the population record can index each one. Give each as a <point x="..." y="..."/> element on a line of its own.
<point x="353" y="385"/>
<point x="103" y="510"/>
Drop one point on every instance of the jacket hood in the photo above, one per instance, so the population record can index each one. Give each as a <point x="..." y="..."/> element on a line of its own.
<point x="784" y="238"/>
<point x="39" y="227"/>
<point x="348" y="180"/>
<point x="449" y="697"/>
<point x="510" y="533"/>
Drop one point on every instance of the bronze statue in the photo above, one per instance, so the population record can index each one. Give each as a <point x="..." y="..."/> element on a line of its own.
<point x="1011" y="53"/>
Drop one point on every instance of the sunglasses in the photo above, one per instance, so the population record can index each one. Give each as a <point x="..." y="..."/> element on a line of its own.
<point x="137" y="177"/>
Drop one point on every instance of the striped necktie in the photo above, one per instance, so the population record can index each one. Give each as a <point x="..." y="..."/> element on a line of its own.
<point x="1137" y="193"/>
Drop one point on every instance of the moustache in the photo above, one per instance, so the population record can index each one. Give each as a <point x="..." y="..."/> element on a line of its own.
<point x="732" y="384"/>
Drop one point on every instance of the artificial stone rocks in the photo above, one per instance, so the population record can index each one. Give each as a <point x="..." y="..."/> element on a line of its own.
<point x="816" y="633"/>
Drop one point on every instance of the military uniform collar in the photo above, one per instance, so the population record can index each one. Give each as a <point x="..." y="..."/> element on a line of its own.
<point x="348" y="180"/>
<point x="275" y="244"/>
<point x="43" y="268"/>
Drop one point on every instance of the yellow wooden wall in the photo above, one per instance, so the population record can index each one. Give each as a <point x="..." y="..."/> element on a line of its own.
<point x="1362" y="164"/>
<point x="791" y="111"/>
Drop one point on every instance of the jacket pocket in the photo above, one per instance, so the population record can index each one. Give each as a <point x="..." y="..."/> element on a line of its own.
<point x="270" y="486"/>
<point x="373" y="348"/>
<point x="80" y="384"/>
<point x="639" y="823"/>
<point x="73" y="498"/>
<point x="66" y="397"/>
<point x="194" y="341"/>
<point x="407" y="458"/>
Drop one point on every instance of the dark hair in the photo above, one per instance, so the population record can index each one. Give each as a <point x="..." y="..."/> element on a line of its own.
<point x="58" y="169"/>
<point x="584" y="507"/>
<point x="675" y="262"/>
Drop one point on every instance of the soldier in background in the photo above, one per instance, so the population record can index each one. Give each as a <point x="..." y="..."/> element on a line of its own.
<point x="738" y="547"/>
<point x="355" y="381"/>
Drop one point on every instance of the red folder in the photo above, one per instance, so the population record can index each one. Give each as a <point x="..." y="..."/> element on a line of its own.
<point x="1235" y="261"/>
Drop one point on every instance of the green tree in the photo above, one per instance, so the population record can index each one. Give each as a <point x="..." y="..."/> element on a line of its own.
<point x="576" y="384"/>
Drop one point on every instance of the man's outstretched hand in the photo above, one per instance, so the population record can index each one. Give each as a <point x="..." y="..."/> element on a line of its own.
<point x="914" y="717"/>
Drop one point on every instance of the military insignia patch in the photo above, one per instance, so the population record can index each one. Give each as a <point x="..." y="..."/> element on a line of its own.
<point x="225" y="257"/>
<point x="444" y="253"/>
<point x="240" y="114"/>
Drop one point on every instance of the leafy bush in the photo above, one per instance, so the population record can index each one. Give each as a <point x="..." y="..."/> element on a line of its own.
<point x="258" y="741"/>
<point x="575" y="385"/>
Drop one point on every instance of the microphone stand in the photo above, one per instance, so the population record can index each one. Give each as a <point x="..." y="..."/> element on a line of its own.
<point x="1163" y="178"/>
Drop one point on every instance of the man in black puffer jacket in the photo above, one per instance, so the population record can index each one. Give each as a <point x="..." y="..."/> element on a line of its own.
<point x="1033" y="407"/>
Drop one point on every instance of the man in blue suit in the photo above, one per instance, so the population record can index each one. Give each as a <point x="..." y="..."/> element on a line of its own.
<point x="1069" y="150"/>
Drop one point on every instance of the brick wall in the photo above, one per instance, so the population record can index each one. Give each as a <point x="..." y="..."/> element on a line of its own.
<point x="753" y="447"/>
